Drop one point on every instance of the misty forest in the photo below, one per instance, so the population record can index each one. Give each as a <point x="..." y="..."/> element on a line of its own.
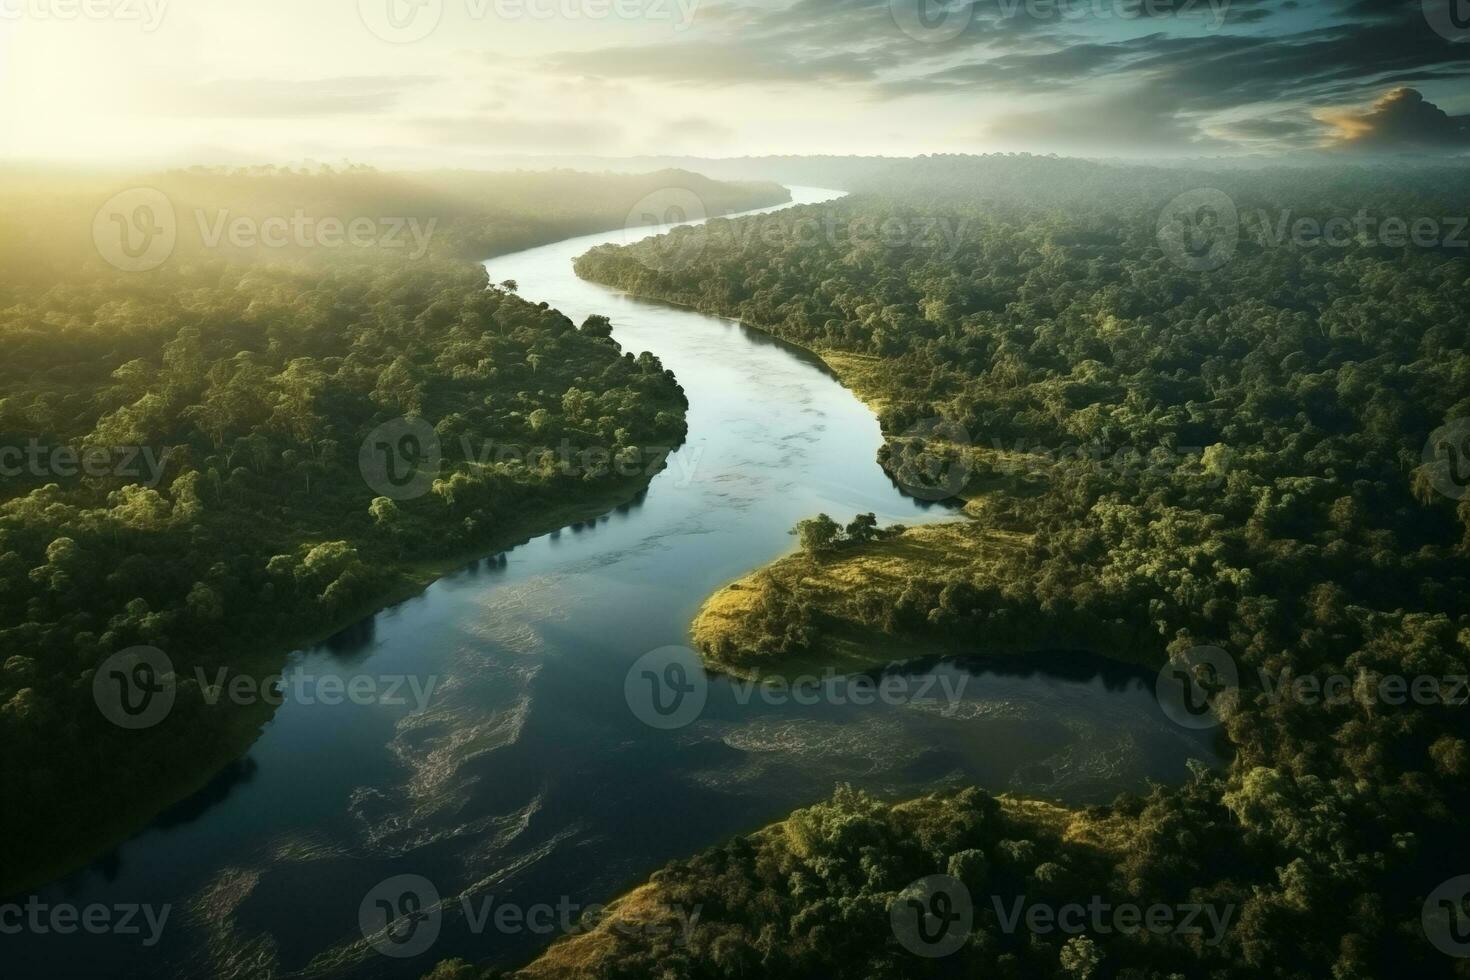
<point x="895" y="489"/>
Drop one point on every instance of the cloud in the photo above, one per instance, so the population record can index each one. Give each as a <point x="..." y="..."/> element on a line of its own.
<point x="712" y="63"/>
<point x="693" y="134"/>
<point x="1142" y="119"/>
<point x="1400" y="120"/>
<point x="279" y="98"/>
<point x="500" y="133"/>
<point x="1194" y="81"/>
<point x="1293" y="130"/>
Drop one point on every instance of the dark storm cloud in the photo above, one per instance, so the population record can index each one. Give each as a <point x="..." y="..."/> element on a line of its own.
<point x="1143" y="120"/>
<point x="1296" y="131"/>
<point x="1387" y="10"/>
<point x="1247" y="16"/>
<point x="1161" y="87"/>
<point x="817" y="41"/>
<point x="1400" y="120"/>
<point x="1228" y="70"/>
<point x="1222" y="70"/>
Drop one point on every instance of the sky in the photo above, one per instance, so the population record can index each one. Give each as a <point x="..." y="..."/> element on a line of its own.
<point x="430" y="83"/>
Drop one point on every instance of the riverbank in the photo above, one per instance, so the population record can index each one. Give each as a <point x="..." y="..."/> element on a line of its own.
<point x="846" y="599"/>
<point x="862" y="610"/>
<point x="687" y="906"/>
<point x="153" y="770"/>
<point x="246" y="723"/>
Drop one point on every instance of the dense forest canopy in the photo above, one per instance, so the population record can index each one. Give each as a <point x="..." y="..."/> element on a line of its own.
<point x="189" y="462"/>
<point x="1300" y="521"/>
<point x="48" y="220"/>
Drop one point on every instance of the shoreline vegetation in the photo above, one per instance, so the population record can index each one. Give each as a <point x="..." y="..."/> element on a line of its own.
<point x="221" y="386"/>
<point x="842" y="594"/>
<point x="248" y="723"/>
<point x="835" y="593"/>
<point x="1224" y="458"/>
<point x="690" y="890"/>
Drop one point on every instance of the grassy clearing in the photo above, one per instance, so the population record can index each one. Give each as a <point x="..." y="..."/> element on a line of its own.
<point x="836" y="585"/>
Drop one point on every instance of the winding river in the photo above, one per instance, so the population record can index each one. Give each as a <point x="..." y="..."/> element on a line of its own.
<point x="527" y="778"/>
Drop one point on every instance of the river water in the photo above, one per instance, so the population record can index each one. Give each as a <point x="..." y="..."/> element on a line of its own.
<point x="527" y="779"/>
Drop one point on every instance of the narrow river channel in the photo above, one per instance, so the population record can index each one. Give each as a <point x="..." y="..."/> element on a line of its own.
<point x="527" y="778"/>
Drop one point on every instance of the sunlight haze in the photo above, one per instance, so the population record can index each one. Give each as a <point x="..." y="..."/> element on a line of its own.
<point x="455" y="82"/>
